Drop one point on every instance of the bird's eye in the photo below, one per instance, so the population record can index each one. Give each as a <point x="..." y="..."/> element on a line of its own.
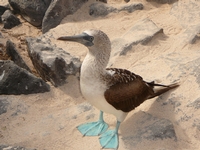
<point x="91" y="38"/>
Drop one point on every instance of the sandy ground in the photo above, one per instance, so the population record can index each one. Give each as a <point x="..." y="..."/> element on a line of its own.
<point x="48" y="121"/>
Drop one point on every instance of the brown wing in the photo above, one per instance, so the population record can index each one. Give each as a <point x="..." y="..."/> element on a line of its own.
<point x="127" y="90"/>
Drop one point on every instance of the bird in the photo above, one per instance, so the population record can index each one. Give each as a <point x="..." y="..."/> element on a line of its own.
<point x="111" y="90"/>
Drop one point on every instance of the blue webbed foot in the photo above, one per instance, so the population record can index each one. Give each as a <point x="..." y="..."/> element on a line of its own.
<point x="93" y="128"/>
<point x="109" y="139"/>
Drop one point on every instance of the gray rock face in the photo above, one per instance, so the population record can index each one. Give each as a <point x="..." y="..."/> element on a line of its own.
<point x="15" y="56"/>
<point x="15" y="80"/>
<point x="142" y="32"/>
<point x="101" y="9"/>
<point x="9" y="20"/>
<point x="52" y="63"/>
<point x="131" y="7"/>
<point x="32" y="11"/>
<point x="2" y="10"/>
<point x="58" y="10"/>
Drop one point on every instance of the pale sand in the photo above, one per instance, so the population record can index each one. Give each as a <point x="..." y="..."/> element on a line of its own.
<point x="51" y="118"/>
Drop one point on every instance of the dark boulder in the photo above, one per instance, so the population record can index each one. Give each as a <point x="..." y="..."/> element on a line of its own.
<point x="52" y="63"/>
<point x="16" y="80"/>
<point x="15" y="56"/>
<point x="9" y="20"/>
<point x="131" y="7"/>
<point x="2" y="10"/>
<point x="100" y="9"/>
<point x="58" y="10"/>
<point x="32" y="11"/>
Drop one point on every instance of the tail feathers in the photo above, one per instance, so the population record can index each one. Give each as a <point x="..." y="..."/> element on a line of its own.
<point x="162" y="90"/>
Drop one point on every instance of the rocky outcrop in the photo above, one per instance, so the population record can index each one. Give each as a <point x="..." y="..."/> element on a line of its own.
<point x="33" y="12"/>
<point x="57" y="11"/>
<point x="9" y="20"/>
<point x="101" y="9"/>
<point x="15" y="56"/>
<point x="142" y="32"/>
<point x="52" y="63"/>
<point x="15" y="80"/>
<point x="2" y="10"/>
<point x="47" y="13"/>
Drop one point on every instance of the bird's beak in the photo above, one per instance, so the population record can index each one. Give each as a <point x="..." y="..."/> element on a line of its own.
<point x="83" y="38"/>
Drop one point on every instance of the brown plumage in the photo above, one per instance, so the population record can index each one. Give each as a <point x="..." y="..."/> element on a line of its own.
<point x="128" y="90"/>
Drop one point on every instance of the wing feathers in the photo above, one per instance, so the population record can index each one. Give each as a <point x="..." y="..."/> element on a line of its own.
<point x="128" y="90"/>
<point x="166" y="88"/>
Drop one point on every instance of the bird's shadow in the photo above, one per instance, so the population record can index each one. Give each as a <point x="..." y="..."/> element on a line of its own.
<point x="157" y="126"/>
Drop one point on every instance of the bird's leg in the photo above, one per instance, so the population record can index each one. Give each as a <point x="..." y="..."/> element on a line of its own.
<point x="93" y="128"/>
<point x="109" y="139"/>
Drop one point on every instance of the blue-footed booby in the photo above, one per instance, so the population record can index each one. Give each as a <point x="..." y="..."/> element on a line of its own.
<point x="111" y="90"/>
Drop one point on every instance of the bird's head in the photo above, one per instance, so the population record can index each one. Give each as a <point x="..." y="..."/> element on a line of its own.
<point x="94" y="40"/>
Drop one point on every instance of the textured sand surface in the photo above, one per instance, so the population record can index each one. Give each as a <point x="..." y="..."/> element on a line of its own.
<point x="170" y="122"/>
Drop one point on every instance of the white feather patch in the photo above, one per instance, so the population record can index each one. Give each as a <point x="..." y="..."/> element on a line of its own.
<point x="111" y="72"/>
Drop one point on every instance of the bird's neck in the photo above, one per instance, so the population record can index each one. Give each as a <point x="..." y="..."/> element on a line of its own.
<point x="95" y="64"/>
